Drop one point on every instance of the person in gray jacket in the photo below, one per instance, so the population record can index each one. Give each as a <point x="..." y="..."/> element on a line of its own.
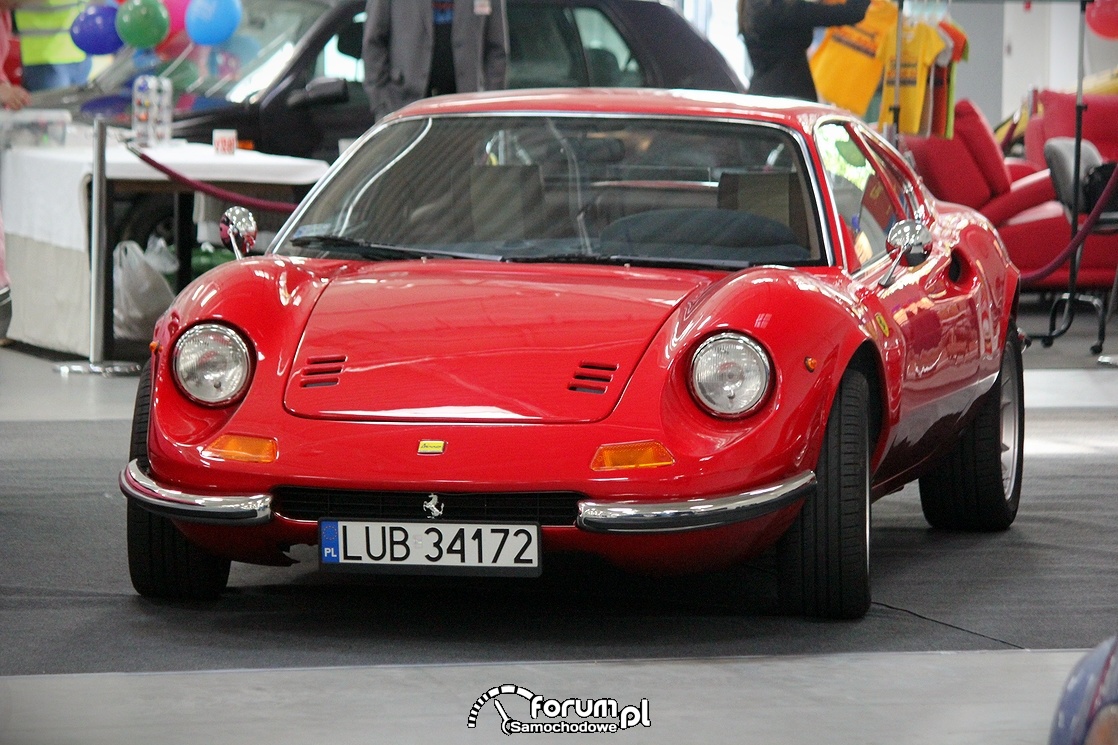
<point x="418" y="48"/>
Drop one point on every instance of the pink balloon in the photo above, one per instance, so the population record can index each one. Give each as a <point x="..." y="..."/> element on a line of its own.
<point x="177" y="10"/>
<point x="1102" y="17"/>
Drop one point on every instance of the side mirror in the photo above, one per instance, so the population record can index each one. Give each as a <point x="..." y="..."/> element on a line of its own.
<point x="910" y="240"/>
<point x="320" y="92"/>
<point x="238" y="231"/>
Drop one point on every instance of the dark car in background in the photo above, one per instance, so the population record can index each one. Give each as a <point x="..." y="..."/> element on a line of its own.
<point x="289" y="79"/>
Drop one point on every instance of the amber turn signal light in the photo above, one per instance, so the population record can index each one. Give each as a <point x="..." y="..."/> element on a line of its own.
<point x="244" y="448"/>
<point x="647" y="454"/>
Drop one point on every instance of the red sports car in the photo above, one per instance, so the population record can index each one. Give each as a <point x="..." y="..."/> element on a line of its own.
<point x="672" y="329"/>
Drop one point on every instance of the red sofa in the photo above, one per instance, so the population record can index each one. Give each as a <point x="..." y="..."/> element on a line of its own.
<point x="1016" y="195"/>
<point x="1056" y="118"/>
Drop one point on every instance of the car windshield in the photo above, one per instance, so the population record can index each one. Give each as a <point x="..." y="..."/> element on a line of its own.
<point x="624" y="190"/>
<point x="235" y="70"/>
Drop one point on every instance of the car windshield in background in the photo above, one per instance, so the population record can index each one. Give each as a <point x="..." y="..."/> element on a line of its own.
<point x="235" y="70"/>
<point x="624" y="190"/>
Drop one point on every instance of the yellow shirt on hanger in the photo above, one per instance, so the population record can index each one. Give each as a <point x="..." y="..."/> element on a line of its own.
<point x="922" y="44"/>
<point x="847" y="65"/>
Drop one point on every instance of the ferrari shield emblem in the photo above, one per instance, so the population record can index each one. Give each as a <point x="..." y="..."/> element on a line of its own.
<point x="881" y="323"/>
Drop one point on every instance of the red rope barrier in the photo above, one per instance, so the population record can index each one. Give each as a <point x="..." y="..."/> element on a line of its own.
<point x="1081" y="235"/>
<point x="229" y="196"/>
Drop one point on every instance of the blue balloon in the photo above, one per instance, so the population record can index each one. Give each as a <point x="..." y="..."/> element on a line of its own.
<point x="210" y="22"/>
<point x="94" y="30"/>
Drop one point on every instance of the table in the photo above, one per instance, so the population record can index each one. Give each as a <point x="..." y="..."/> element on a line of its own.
<point x="45" y="201"/>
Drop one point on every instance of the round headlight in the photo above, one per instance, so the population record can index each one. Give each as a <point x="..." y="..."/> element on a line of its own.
<point x="730" y="374"/>
<point x="211" y="364"/>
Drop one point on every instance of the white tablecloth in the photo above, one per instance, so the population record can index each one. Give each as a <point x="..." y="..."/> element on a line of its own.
<point x="44" y="198"/>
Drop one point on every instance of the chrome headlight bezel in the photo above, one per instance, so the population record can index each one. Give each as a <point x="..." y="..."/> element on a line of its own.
<point x="226" y="380"/>
<point x="752" y="361"/>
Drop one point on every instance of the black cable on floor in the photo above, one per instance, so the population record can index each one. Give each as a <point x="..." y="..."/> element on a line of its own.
<point x="948" y="625"/>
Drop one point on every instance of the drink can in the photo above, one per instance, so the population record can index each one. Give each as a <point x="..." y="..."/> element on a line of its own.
<point x="153" y="108"/>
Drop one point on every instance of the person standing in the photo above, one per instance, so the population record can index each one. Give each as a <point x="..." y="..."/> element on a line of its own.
<point x="12" y="96"/>
<point x="50" y="57"/>
<point x="777" y="34"/>
<point x="418" y="48"/>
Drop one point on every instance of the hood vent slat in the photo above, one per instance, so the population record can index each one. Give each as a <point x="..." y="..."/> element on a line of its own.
<point x="592" y="377"/>
<point x="322" y="372"/>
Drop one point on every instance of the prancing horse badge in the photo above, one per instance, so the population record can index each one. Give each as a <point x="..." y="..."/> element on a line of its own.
<point x="433" y="507"/>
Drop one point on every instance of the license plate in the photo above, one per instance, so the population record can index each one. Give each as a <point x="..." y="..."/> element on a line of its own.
<point x="430" y="548"/>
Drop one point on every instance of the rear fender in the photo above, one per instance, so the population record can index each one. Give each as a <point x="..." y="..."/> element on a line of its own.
<point x="975" y="236"/>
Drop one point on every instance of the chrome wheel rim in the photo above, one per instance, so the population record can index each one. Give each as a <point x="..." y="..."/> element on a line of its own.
<point x="1010" y="422"/>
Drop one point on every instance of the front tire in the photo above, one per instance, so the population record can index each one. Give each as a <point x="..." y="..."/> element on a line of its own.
<point x="161" y="561"/>
<point x="977" y="486"/>
<point x="823" y="559"/>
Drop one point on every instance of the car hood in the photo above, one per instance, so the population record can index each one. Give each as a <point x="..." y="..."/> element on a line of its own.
<point x="468" y="341"/>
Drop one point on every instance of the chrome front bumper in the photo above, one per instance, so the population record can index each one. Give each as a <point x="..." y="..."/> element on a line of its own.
<point x="229" y="509"/>
<point x="692" y="514"/>
<point x="596" y="516"/>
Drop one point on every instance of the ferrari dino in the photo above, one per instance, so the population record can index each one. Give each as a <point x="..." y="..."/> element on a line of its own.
<point x="673" y="329"/>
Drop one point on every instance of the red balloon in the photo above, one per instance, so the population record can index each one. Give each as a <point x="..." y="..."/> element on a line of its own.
<point x="1102" y="18"/>
<point x="174" y="45"/>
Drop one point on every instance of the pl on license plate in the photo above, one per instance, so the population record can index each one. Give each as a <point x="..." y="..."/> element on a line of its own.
<point x="430" y="547"/>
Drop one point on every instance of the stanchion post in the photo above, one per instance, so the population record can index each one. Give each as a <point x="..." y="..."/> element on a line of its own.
<point x="1071" y="295"/>
<point x="894" y="134"/>
<point x="98" y="237"/>
<point x="98" y="261"/>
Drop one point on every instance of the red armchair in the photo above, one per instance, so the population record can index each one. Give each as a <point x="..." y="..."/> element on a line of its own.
<point x="1016" y="195"/>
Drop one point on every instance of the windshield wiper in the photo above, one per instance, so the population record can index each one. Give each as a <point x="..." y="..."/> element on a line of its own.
<point x="379" y="251"/>
<point x="624" y="260"/>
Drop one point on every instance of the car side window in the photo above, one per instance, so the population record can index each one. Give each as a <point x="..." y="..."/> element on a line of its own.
<point x="544" y="47"/>
<point x="862" y="195"/>
<point x="609" y="60"/>
<point x="549" y="47"/>
<point x="903" y="187"/>
<point x="341" y="57"/>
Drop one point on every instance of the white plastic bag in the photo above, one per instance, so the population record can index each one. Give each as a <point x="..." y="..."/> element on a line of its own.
<point x="140" y="293"/>
<point x="161" y="256"/>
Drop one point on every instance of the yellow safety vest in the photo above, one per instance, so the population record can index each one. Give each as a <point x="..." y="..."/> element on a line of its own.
<point x="44" y="32"/>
